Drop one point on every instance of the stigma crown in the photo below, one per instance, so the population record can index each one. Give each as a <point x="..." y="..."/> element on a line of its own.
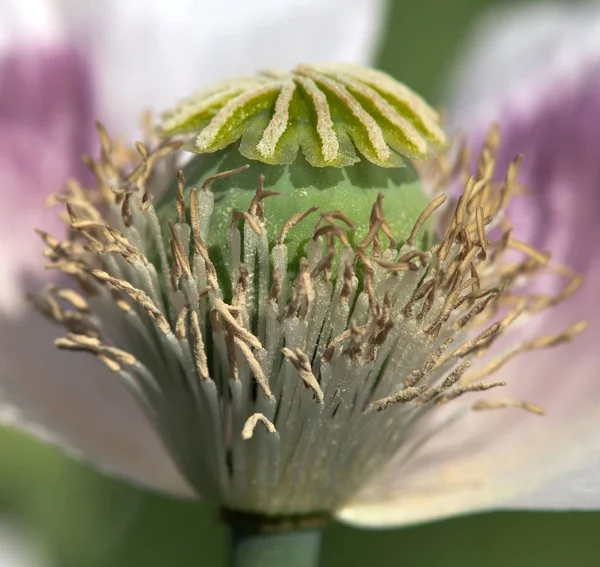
<point x="335" y="113"/>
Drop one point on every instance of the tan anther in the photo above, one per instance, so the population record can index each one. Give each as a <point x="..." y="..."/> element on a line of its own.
<point x="302" y="364"/>
<point x="427" y="287"/>
<point x="474" y="311"/>
<point x="324" y="266"/>
<point x="176" y="270"/>
<point x="198" y="347"/>
<point x="574" y="283"/>
<point x="105" y="142"/>
<point x="453" y="295"/>
<point x="123" y="305"/>
<point x="126" y="210"/>
<point x="292" y="222"/>
<point x="448" y="382"/>
<point x="428" y="302"/>
<point x="111" y="356"/>
<point x="535" y="344"/>
<point x="209" y="180"/>
<point x="510" y="185"/>
<point x="333" y="229"/>
<point x="146" y="201"/>
<point x="483" y="405"/>
<point x="241" y="286"/>
<point x="368" y="281"/>
<point x="73" y="298"/>
<point x="238" y="331"/>
<point x="357" y="342"/>
<point x="211" y="272"/>
<point x="395" y="266"/>
<point x="252" y="421"/>
<point x="343" y="336"/>
<point x="378" y="337"/>
<point x="252" y="222"/>
<point x="347" y="284"/>
<point x="138" y="296"/>
<point x="408" y="257"/>
<point x="255" y="367"/>
<point x="424" y="216"/>
<point x="180" y="200"/>
<point x="47" y="305"/>
<point x="303" y="293"/>
<point x="473" y="387"/>
<point x="331" y="216"/>
<point x="430" y="364"/>
<point x="481" y="233"/>
<point x="181" y="324"/>
<point x="125" y="248"/>
<point x="276" y="285"/>
<point x="401" y="397"/>
<point x="371" y="237"/>
<point x="540" y="257"/>
<point x="179" y="255"/>
<point x="475" y="294"/>
<point x="256" y="207"/>
<point x="377" y="214"/>
<point x="482" y="340"/>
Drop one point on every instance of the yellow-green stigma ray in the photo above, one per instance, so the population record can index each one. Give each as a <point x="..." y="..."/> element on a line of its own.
<point x="331" y="112"/>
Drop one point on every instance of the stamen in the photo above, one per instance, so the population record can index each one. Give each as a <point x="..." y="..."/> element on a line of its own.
<point x="293" y="221"/>
<point x="482" y="405"/>
<point x="473" y="387"/>
<point x="302" y="365"/>
<point x="540" y="342"/>
<point x="248" y="430"/>
<point x="424" y="216"/>
<point x="374" y="356"/>
<point x="402" y="396"/>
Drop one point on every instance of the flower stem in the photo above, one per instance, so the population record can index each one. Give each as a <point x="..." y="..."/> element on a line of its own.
<point x="298" y="548"/>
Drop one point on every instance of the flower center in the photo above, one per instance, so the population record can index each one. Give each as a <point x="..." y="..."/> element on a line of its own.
<point x="280" y="390"/>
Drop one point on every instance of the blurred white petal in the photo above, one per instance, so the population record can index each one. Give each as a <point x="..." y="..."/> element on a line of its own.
<point x="151" y="53"/>
<point x="72" y="400"/>
<point x="508" y="458"/>
<point x="18" y="549"/>
<point x="536" y="71"/>
<point x="64" y="63"/>
<point x="30" y="22"/>
<point x="515" y="57"/>
<point x="46" y="124"/>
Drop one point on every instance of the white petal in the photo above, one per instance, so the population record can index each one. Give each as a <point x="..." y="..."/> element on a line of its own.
<point x="72" y="400"/>
<point x="30" y="21"/>
<point x="500" y="460"/>
<point x="152" y="53"/>
<point x="140" y="54"/>
<point x="510" y="459"/>
<point x="515" y="57"/>
<point x="41" y="102"/>
<point x="18" y="549"/>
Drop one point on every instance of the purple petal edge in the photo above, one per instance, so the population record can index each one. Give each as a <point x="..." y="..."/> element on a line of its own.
<point x="46" y="125"/>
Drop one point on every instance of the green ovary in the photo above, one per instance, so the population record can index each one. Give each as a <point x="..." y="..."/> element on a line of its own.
<point x="351" y="190"/>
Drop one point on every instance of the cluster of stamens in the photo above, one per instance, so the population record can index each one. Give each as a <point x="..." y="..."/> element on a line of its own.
<point x="285" y="391"/>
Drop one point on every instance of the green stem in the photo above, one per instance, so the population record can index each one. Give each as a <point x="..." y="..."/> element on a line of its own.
<point x="298" y="548"/>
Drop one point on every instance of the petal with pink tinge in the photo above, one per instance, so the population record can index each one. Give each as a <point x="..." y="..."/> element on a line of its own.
<point x="511" y="459"/>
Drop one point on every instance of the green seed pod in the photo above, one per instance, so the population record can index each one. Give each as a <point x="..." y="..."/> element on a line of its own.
<point x="354" y="126"/>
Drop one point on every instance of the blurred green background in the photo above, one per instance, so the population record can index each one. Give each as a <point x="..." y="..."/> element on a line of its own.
<point x="84" y="519"/>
